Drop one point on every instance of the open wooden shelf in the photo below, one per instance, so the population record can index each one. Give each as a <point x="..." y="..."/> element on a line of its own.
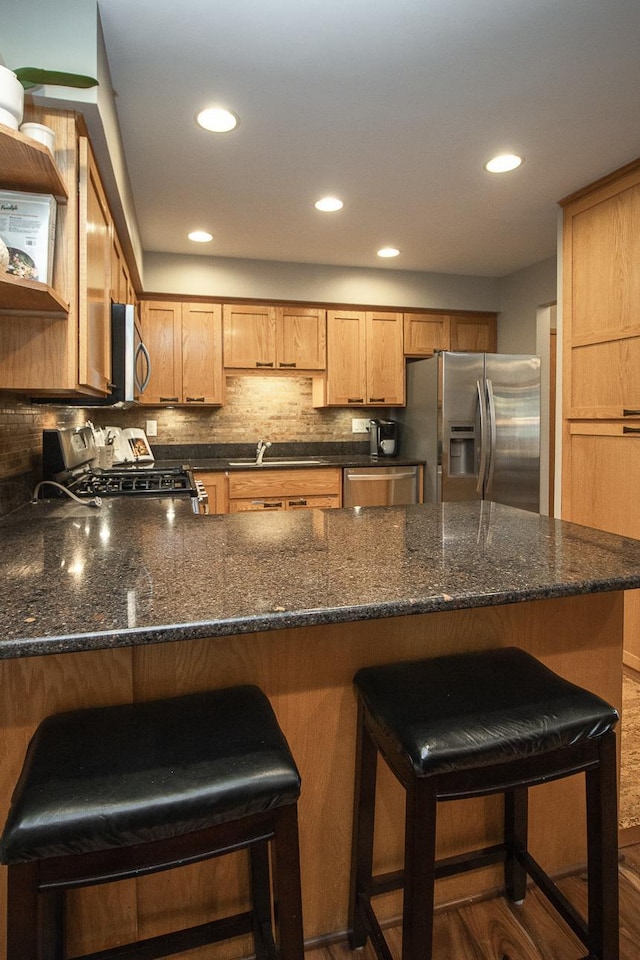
<point x="28" y="165"/>
<point x="29" y="296"/>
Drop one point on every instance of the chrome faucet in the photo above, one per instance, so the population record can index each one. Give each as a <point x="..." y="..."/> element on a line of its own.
<point x="261" y="449"/>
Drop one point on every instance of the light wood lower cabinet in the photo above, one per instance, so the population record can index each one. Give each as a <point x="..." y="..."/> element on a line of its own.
<point x="601" y="490"/>
<point x="285" y="489"/>
<point x="216" y="483"/>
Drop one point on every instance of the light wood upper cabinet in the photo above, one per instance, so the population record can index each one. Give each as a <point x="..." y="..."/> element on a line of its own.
<point x="301" y="338"/>
<point x="365" y="360"/>
<point x="122" y="289"/>
<point x="424" y="333"/>
<point x="346" y="381"/>
<point x="94" y="276"/>
<point x="258" y="337"/>
<point x="385" y="359"/>
<point x="601" y="294"/>
<point x="473" y="333"/>
<point x="185" y="344"/>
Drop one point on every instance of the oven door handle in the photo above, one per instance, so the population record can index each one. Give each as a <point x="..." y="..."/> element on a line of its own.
<point x="142" y="350"/>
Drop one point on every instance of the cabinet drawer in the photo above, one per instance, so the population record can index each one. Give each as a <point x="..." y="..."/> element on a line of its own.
<point x="257" y="504"/>
<point x="308" y="503"/>
<point x="261" y="484"/>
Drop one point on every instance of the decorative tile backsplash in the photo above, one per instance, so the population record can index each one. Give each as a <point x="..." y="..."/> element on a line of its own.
<point x="273" y="408"/>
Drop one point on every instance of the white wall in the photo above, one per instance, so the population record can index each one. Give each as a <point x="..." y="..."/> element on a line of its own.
<point x="226" y="277"/>
<point x="521" y="294"/>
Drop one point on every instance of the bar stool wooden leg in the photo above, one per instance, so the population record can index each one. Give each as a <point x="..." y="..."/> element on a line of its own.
<point x="419" y="871"/>
<point x="363" y="826"/>
<point x="261" y="900"/>
<point x="286" y="870"/>
<point x="602" y="844"/>
<point x="22" y="908"/>
<point x="516" y="819"/>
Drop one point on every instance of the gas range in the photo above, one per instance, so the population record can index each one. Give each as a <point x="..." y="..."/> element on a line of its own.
<point x="69" y="461"/>
<point x="135" y="481"/>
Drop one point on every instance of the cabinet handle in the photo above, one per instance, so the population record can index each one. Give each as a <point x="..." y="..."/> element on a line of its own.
<point x="287" y="364"/>
<point x="631" y="429"/>
<point x="169" y="399"/>
<point x="376" y="399"/>
<point x="298" y="503"/>
<point x="355" y="399"/>
<point x="264" y="363"/>
<point x="631" y="413"/>
<point x="272" y="506"/>
<point x="194" y="399"/>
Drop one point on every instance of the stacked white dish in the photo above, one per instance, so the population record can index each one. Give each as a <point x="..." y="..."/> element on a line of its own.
<point x="11" y="98"/>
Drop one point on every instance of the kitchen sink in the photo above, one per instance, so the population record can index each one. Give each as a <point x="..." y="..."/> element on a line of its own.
<point x="271" y="462"/>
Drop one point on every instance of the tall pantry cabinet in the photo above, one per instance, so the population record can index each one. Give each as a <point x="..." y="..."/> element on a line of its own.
<point x="601" y="364"/>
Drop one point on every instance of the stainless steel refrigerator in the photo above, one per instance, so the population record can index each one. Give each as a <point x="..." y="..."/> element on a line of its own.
<point x="474" y="418"/>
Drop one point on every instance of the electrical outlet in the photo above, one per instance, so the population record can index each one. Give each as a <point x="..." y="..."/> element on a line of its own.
<point x="152" y="428"/>
<point x="359" y="425"/>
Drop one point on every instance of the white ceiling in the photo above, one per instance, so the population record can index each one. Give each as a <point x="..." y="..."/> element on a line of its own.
<point x="393" y="105"/>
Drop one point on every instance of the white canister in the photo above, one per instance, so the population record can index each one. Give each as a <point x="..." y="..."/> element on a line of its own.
<point x="41" y="133"/>
<point x="11" y="98"/>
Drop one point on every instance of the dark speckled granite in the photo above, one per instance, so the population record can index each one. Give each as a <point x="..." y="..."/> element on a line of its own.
<point x="147" y="571"/>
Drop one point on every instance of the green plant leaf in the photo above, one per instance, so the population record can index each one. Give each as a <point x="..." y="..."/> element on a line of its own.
<point x="34" y="77"/>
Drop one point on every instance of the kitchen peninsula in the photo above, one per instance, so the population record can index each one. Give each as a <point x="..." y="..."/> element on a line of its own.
<point x="144" y="599"/>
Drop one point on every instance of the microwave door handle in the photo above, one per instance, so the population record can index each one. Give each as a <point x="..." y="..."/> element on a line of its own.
<point x="491" y="405"/>
<point x="141" y="349"/>
<point x="482" y="468"/>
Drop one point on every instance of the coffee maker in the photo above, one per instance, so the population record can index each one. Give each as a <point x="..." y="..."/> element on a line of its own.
<point x="383" y="438"/>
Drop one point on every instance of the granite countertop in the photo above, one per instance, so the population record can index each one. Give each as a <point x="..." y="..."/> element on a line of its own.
<point x="140" y="571"/>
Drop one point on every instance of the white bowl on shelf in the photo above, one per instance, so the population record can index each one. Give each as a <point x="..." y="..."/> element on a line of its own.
<point x="41" y="133"/>
<point x="11" y="98"/>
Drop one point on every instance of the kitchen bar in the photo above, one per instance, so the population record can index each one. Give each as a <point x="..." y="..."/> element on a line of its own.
<point x="142" y="599"/>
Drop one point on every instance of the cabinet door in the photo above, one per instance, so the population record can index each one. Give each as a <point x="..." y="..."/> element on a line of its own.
<point x="202" y="377"/>
<point x="424" y="333"/>
<point x="473" y="334"/>
<point x="94" y="313"/>
<point x="217" y="486"/>
<point x="301" y="338"/>
<point x="385" y="359"/>
<point x="346" y="358"/>
<point x="249" y="336"/>
<point x="601" y="462"/>
<point x="162" y="334"/>
<point x="601" y="293"/>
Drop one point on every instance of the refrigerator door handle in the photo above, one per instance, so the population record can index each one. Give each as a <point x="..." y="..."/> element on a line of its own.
<point x="492" y="433"/>
<point x="482" y="468"/>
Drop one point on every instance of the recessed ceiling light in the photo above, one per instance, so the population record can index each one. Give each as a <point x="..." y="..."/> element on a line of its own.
<point x="504" y="163"/>
<point x="329" y="204"/>
<point x="217" y="120"/>
<point x="388" y="252"/>
<point x="200" y="236"/>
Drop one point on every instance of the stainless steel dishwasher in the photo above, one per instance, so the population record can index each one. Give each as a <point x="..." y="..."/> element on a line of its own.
<point x="379" y="486"/>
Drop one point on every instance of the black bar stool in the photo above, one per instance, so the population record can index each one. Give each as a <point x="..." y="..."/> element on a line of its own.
<point x="470" y="725"/>
<point x="123" y="791"/>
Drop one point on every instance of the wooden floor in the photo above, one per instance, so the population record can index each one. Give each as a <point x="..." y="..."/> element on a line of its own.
<point x="500" y="930"/>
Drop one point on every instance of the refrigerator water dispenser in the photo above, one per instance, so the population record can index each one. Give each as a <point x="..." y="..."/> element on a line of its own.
<point x="462" y="444"/>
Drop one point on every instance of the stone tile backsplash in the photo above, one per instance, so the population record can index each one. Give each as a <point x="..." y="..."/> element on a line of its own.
<point x="274" y="408"/>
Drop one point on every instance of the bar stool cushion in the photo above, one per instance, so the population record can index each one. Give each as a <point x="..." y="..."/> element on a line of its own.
<point x="122" y="775"/>
<point x="476" y="709"/>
